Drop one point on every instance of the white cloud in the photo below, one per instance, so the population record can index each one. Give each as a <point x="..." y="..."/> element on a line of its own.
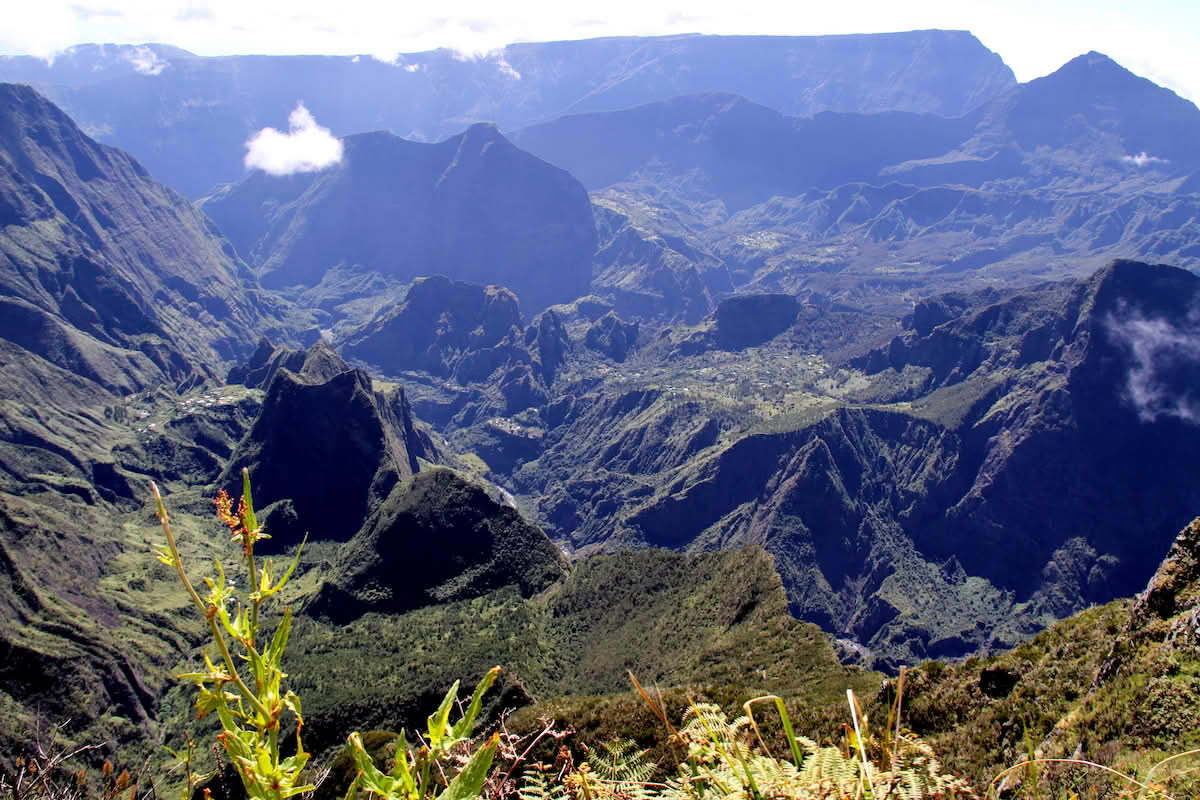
<point x="1161" y="353"/>
<point x="495" y="56"/>
<point x="306" y="147"/>
<point x="146" y="61"/>
<point x="506" y="67"/>
<point x="1142" y="159"/>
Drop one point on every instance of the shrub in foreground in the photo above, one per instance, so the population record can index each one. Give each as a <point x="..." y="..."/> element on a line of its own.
<point x="250" y="707"/>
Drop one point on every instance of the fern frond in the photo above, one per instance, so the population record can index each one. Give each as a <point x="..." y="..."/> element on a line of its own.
<point x="537" y="785"/>
<point x="725" y="763"/>
<point x="620" y="760"/>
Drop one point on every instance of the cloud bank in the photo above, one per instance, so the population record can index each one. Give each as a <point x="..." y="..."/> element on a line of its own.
<point x="1165" y="357"/>
<point x="1034" y="37"/>
<point x="306" y="147"/>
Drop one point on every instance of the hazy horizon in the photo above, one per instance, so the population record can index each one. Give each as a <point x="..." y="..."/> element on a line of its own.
<point x="1034" y="38"/>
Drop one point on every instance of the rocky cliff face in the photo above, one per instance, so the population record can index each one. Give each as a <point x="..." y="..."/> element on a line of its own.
<point x="653" y="269"/>
<point x="551" y="343"/>
<point x="1105" y="684"/>
<point x="105" y="272"/>
<point x="446" y="328"/>
<point x="975" y="485"/>
<point x="317" y="364"/>
<point x="469" y="336"/>
<point x="472" y="207"/>
<point x="612" y="337"/>
<point x="323" y="453"/>
<point x="1090" y="389"/>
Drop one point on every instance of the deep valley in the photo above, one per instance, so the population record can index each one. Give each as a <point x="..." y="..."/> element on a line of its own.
<point x="768" y="385"/>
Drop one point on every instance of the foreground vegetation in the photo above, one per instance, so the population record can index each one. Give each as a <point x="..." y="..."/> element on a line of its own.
<point x="716" y="746"/>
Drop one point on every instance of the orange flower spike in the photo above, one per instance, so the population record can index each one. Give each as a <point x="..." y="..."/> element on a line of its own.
<point x="236" y="521"/>
<point x="225" y="512"/>
<point x="250" y="534"/>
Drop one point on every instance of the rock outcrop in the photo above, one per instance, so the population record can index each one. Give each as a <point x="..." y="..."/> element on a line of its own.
<point x="444" y="327"/>
<point x="612" y="337"/>
<point x="317" y="364"/>
<point x="436" y="539"/>
<point x="549" y="343"/>
<point x="980" y="484"/>
<point x="323" y="453"/>
<point x="751" y="319"/>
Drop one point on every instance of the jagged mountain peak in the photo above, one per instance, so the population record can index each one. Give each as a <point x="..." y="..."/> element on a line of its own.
<point x="1133" y="338"/>
<point x="474" y="207"/>
<point x="444" y="327"/>
<point x="481" y="130"/>
<point x="1094" y="105"/>
<point x="1126" y="282"/>
<point x="1129" y="292"/>
<point x="1094" y="76"/>
<point x="325" y="449"/>
<point x="1091" y="63"/>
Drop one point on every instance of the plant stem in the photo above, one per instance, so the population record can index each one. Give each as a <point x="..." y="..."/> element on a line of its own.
<point x="233" y="673"/>
<point x="204" y="609"/>
<point x="162" y="517"/>
<point x="254" y="588"/>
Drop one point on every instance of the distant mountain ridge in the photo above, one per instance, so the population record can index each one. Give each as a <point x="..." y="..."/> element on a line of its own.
<point x="744" y="152"/>
<point x="118" y="93"/>
<point x="1052" y="179"/>
<point x="748" y="152"/>
<point x="473" y="207"/>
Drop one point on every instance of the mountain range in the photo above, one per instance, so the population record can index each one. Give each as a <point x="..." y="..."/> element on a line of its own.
<point x="900" y="369"/>
<point x="1050" y="179"/>
<point x="186" y="117"/>
<point x="473" y="207"/>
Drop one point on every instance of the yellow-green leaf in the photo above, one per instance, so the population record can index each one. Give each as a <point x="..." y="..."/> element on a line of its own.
<point x="438" y="721"/>
<point x="468" y="783"/>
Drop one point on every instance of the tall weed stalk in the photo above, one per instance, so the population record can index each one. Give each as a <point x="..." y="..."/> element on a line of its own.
<point x="244" y="687"/>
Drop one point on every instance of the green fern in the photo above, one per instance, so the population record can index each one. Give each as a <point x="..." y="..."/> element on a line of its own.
<point x="621" y="761"/>
<point x="725" y="764"/>
<point x="540" y="785"/>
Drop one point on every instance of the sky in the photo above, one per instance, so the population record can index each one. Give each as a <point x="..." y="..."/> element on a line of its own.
<point x="1158" y="39"/>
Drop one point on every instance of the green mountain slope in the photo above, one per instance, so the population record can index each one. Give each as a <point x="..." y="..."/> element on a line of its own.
<point x="1116" y="684"/>
<point x="960" y="487"/>
<point x="105" y="272"/>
